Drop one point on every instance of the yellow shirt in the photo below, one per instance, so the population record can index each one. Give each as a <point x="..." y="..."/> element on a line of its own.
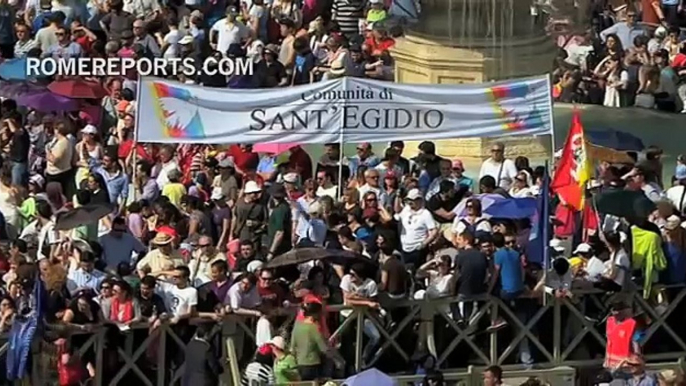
<point x="157" y="261"/>
<point x="374" y="15"/>
<point x="174" y="192"/>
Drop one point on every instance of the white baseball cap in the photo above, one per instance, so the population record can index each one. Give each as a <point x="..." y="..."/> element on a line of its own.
<point x="251" y="187"/>
<point x="278" y="342"/>
<point x="556" y="244"/>
<point x="414" y="194"/>
<point x="583" y="248"/>
<point x="89" y="129"/>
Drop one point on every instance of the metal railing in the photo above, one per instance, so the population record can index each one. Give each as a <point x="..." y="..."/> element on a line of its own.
<point x="558" y="331"/>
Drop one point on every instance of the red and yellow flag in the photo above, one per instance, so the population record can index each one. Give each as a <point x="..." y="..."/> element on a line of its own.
<point x="574" y="169"/>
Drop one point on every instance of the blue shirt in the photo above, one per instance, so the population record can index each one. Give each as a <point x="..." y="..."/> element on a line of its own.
<point x="511" y="280"/>
<point x="56" y="51"/>
<point x="676" y="264"/>
<point x="625" y="33"/>
<point x="117" y="185"/>
<point x="466" y="181"/>
<point x="267" y="165"/>
<point x="116" y="250"/>
<point x="355" y="161"/>
<point x="81" y="279"/>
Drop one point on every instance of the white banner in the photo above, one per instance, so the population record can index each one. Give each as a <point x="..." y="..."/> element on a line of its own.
<point x="348" y="109"/>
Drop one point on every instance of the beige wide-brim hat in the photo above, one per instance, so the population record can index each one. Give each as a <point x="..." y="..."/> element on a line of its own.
<point x="162" y="239"/>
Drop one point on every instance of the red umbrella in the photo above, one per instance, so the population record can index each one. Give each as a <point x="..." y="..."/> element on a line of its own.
<point x="77" y="89"/>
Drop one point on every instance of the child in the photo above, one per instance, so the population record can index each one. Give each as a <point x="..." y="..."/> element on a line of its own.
<point x="377" y="12"/>
<point x="174" y="190"/>
<point x="305" y="62"/>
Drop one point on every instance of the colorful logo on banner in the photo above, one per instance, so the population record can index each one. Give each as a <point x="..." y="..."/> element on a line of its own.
<point x="513" y="104"/>
<point x="179" y="118"/>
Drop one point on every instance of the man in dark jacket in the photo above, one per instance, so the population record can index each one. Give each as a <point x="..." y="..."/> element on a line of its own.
<point x="202" y="365"/>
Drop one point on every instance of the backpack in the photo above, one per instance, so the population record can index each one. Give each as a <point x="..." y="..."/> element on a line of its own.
<point x="471" y="228"/>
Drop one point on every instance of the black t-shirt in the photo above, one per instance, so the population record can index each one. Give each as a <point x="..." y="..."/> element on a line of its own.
<point x="436" y="202"/>
<point x="207" y="299"/>
<point x="19" y="149"/>
<point x="151" y="305"/>
<point x="268" y="75"/>
<point x="472" y="266"/>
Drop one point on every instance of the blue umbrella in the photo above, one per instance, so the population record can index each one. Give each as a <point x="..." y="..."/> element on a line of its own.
<point x="614" y="139"/>
<point x="13" y="69"/>
<point x="370" y="377"/>
<point x="495" y="205"/>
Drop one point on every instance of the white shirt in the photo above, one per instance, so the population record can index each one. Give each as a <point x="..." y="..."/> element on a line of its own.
<point x="367" y="289"/>
<point x="162" y="178"/>
<point x="47" y="235"/>
<point x="622" y="264"/>
<point x="501" y="171"/>
<point x="229" y="34"/>
<point x="177" y="300"/>
<point x="594" y="268"/>
<point x="172" y="38"/>
<point x="414" y="227"/>
<point x="331" y="192"/>
<point x="676" y="196"/>
<point x="239" y="299"/>
<point x="576" y="55"/>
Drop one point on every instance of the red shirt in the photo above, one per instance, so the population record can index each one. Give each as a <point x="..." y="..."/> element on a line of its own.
<point x="272" y="295"/>
<point x="376" y="47"/>
<point x="126" y="147"/>
<point x="300" y="162"/>
<point x="85" y="43"/>
<point x="244" y="160"/>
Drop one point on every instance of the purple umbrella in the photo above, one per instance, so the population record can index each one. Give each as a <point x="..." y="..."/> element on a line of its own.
<point x="14" y="90"/>
<point x="47" y="101"/>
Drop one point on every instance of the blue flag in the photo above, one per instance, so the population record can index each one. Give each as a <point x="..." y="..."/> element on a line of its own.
<point x="538" y="250"/>
<point x="22" y="334"/>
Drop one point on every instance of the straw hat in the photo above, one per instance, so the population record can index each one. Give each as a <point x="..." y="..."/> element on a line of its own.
<point x="162" y="239"/>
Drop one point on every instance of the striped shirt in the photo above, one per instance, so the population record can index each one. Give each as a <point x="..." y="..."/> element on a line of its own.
<point x="79" y="278"/>
<point x="22" y="48"/>
<point x="257" y="374"/>
<point x="347" y="13"/>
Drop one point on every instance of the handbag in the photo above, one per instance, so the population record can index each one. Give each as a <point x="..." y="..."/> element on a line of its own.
<point x="69" y="368"/>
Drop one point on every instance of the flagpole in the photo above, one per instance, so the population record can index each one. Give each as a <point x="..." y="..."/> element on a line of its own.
<point x="545" y="217"/>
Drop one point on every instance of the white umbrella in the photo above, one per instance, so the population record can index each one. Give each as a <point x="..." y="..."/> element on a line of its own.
<point x="370" y="377"/>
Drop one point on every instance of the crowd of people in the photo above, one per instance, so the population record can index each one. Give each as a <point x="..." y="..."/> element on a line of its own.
<point x="632" y="55"/>
<point x="289" y="42"/>
<point x="192" y="237"/>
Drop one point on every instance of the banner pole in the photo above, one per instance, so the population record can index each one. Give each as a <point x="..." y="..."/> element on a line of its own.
<point x="134" y="156"/>
<point x="340" y="165"/>
<point x="552" y="117"/>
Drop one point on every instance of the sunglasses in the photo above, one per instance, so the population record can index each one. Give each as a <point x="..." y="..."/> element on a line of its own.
<point x="370" y="199"/>
<point x="510" y="242"/>
<point x="374" y="177"/>
<point x="203" y="245"/>
<point x="496" y="150"/>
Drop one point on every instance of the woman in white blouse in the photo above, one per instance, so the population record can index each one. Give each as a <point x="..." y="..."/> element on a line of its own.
<point x="522" y="185"/>
<point x="441" y="279"/>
